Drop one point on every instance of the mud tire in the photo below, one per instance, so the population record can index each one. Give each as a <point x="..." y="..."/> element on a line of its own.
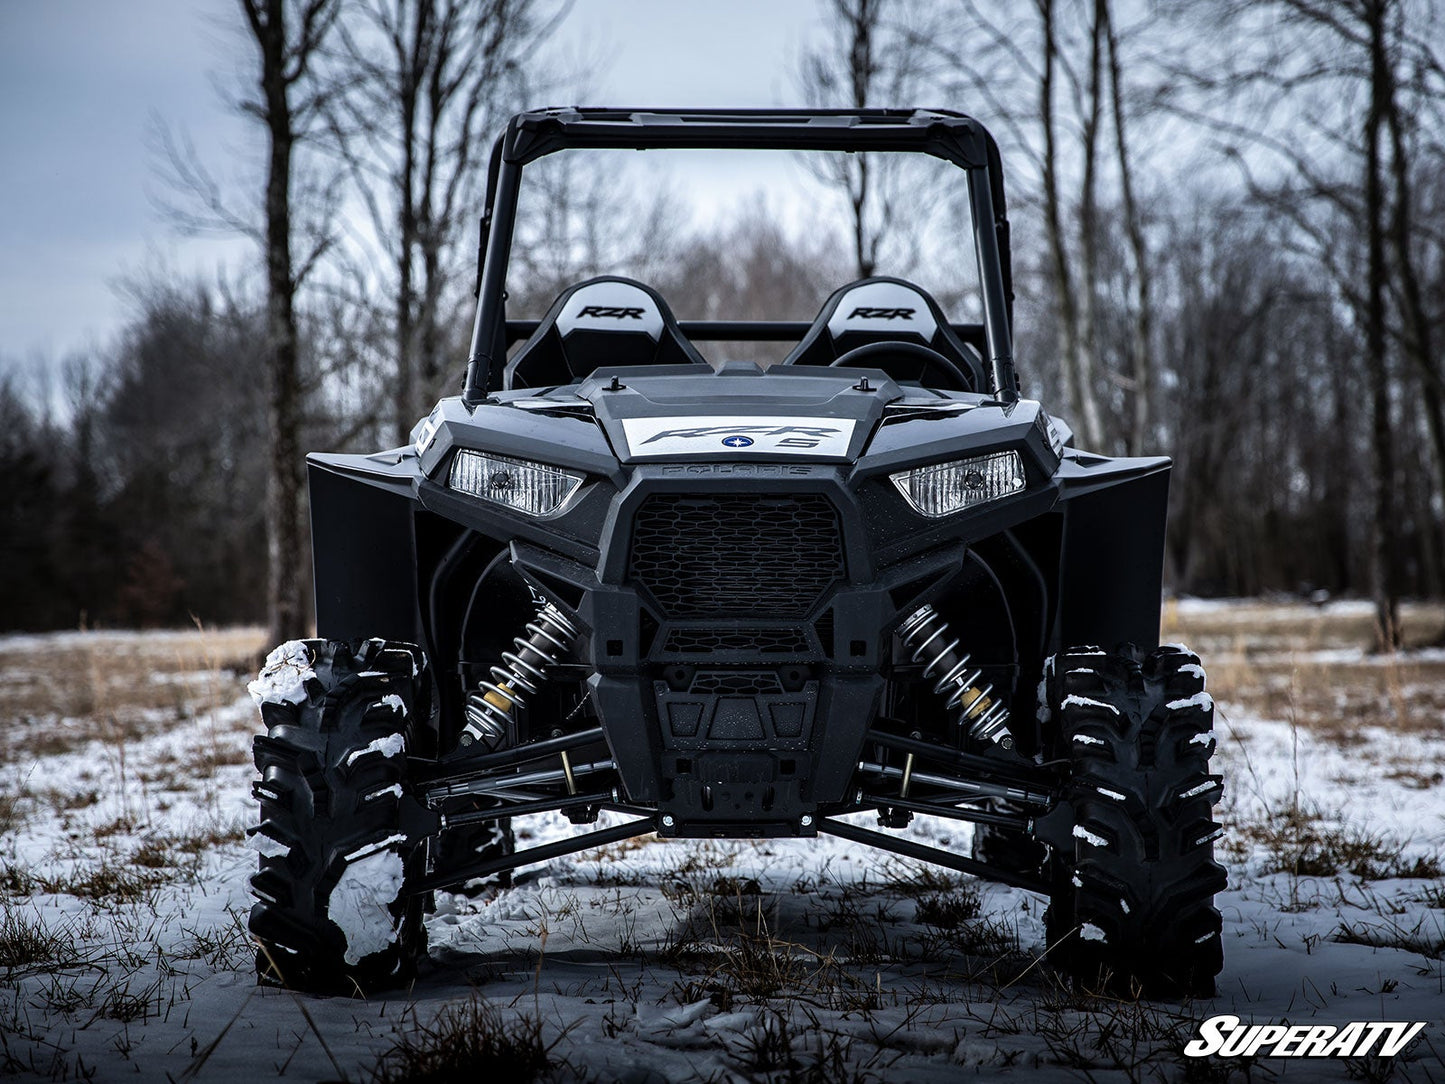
<point x="332" y="774"/>
<point x="1132" y="901"/>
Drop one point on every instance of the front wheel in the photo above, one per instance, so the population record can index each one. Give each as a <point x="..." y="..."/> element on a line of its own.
<point x="1132" y="900"/>
<point x="332" y="911"/>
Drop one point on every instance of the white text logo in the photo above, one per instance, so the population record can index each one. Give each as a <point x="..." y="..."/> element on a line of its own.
<point x="1229" y="1037"/>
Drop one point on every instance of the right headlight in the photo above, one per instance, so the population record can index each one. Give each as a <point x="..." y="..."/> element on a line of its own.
<point x="533" y="488"/>
<point x="945" y="488"/>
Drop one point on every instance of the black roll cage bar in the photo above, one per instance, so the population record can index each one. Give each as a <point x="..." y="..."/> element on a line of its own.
<point x="942" y="133"/>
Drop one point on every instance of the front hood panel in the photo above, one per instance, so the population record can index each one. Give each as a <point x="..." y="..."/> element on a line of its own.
<point x="684" y="414"/>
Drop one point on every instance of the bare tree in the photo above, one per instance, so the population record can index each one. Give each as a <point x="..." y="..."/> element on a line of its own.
<point x="428" y="79"/>
<point x="1141" y="367"/>
<point x="868" y="60"/>
<point x="287" y="35"/>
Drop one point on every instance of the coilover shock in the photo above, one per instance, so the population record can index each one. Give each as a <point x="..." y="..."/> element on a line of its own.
<point x="927" y="636"/>
<point x="545" y="641"/>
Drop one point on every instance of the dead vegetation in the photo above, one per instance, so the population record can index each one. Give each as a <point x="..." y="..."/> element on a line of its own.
<point x="28" y="944"/>
<point x="1314" y="666"/>
<point x="466" y="1040"/>
<point x="66" y="689"/>
<point x="1303" y="842"/>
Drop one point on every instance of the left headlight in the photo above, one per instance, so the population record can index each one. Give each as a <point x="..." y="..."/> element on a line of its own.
<point x="533" y="488"/>
<point x="945" y="488"/>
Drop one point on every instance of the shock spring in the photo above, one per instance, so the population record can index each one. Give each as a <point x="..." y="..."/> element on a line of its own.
<point x="929" y="640"/>
<point x="545" y="641"/>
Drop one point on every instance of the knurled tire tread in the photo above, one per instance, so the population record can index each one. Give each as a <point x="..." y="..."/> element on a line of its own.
<point x="1136" y="912"/>
<point x="324" y="805"/>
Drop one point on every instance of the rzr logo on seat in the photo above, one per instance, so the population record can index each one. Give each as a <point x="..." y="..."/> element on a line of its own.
<point x="616" y="312"/>
<point x="864" y="313"/>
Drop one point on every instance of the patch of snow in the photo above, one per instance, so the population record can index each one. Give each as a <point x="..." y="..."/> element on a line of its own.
<point x="268" y="847"/>
<point x="371" y="848"/>
<point x="1203" y="738"/>
<point x="1089" y="932"/>
<point x="1198" y="700"/>
<point x="394" y="702"/>
<point x="1088" y="739"/>
<point x="1208" y="784"/>
<point x="394" y="788"/>
<point x="1073" y="700"/>
<point x="1080" y="832"/>
<point x="1107" y="793"/>
<point x="388" y="746"/>
<point x="360" y="901"/>
<point x="283" y="679"/>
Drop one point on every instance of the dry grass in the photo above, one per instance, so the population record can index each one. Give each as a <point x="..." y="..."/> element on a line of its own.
<point x="1302" y="842"/>
<point x="61" y="691"/>
<point x="27" y="944"/>
<point x="1265" y="656"/>
<point x="469" y="1040"/>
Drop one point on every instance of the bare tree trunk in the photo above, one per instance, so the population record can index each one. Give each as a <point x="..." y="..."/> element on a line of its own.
<point x="1066" y="314"/>
<point x="283" y="63"/>
<point x="1418" y="346"/>
<point x="1384" y="544"/>
<point x="1141" y="360"/>
<point x="1087" y="343"/>
<point x="868" y="61"/>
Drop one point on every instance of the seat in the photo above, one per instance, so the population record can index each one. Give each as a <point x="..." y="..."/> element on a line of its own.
<point x="882" y="309"/>
<point x="606" y="320"/>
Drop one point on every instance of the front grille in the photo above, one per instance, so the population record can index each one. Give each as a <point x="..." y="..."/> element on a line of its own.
<point x="689" y="641"/>
<point x="762" y="554"/>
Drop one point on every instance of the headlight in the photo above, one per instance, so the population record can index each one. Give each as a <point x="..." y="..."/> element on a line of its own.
<point x="945" y="488"/>
<point x="533" y="488"/>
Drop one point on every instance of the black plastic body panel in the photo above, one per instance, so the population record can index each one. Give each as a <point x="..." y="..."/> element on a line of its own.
<point x="366" y="576"/>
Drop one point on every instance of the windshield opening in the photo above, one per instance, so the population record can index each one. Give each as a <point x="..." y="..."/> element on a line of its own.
<point x="742" y="235"/>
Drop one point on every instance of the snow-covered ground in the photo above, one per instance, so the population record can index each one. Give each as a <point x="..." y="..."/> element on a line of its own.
<point x="123" y="950"/>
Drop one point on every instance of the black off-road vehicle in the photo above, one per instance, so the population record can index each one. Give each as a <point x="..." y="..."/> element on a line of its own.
<point x="724" y="600"/>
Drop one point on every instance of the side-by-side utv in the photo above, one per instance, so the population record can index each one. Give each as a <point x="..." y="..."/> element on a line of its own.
<point x="622" y="573"/>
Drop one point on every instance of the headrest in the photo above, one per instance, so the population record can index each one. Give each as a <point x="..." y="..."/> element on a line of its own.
<point x="608" y="320"/>
<point x="883" y="307"/>
<point x="880" y="310"/>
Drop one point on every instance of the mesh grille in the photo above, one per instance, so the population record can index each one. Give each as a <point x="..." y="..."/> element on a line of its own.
<point x="763" y="641"/>
<point x="735" y="683"/>
<point x="739" y="554"/>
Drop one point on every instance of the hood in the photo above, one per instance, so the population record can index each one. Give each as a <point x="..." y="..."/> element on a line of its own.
<point x="736" y="412"/>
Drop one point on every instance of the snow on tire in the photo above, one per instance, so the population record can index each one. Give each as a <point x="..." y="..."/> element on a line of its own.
<point x="1132" y="903"/>
<point x="331" y="911"/>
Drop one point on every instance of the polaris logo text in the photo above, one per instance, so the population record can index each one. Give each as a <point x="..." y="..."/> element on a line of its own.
<point x="865" y="313"/>
<point x="1229" y="1037"/>
<point x="615" y="312"/>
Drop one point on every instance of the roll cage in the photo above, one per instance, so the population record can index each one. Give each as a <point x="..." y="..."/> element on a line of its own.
<point x="943" y="134"/>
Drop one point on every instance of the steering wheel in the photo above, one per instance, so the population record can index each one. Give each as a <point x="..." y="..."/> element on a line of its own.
<point x="945" y="374"/>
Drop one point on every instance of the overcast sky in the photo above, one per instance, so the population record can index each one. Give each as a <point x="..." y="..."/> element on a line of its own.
<point x="82" y="80"/>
